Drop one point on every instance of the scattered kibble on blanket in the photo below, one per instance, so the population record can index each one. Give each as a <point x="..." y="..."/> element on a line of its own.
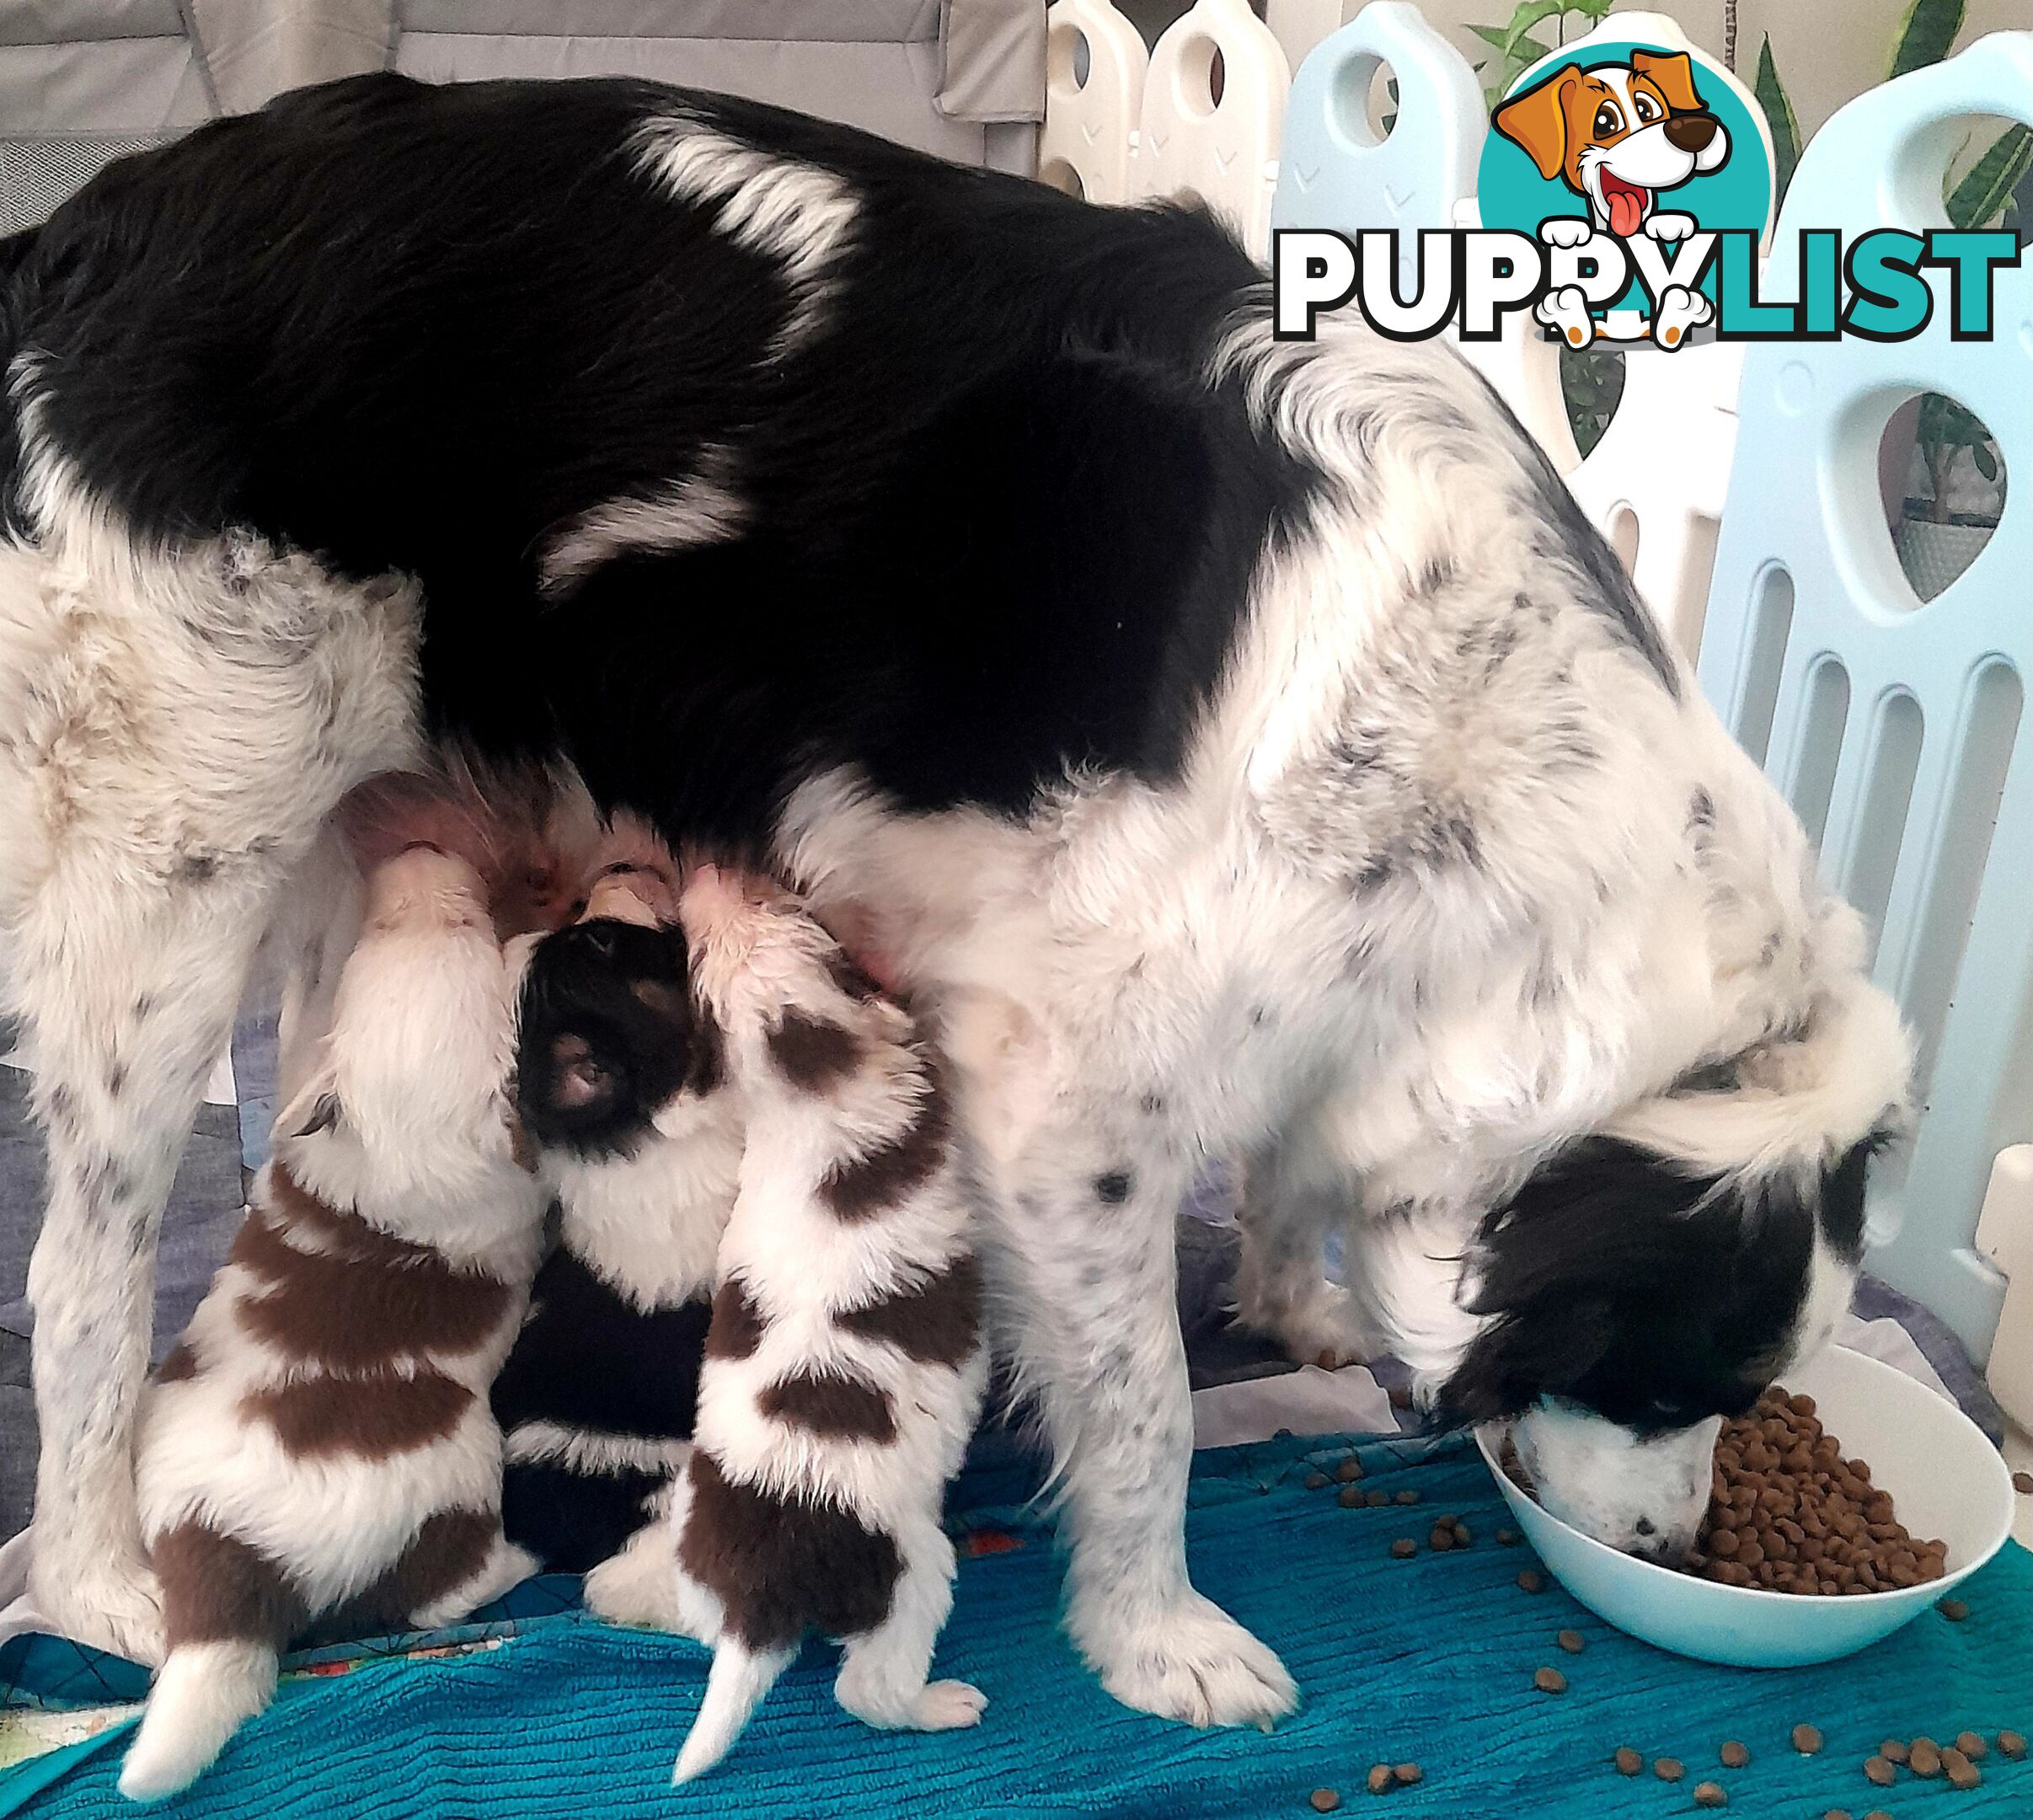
<point x="1571" y="1640"/>
<point x="1377" y="1500"/>
<point x="1953" y="1610"/>
<point x="1924" y="1758"/>
<point x="1733" y="1755"/>
<point x="1317" y="1481"/>
<point x="1403" y="1549"/>
<point x="1879" y="1771"/>
<point x="1788" y="1513"/>
<point x="1669" y="1769"/>
<point x="1710" y="1794"/>
<point x="1893" y="1750"/>
<point x="1441" y="1541"/>
<point x="1324" y="1800"/>
<point x="1962" y="1773"/>
<point x="1628" y="1761"/>
<point x="1508" y="1538"/>
<point x="1353" y="1497"/>
<point x="1532" y="1580"/>
<point x="2022" y="1483"/>
<point x="1549" y="1680"/>
<point x="1408" y="1497"/>
<point x="2012" y="1744"/>
<point x="1877" y="1813"/>
<point x="1349" y="1470"/>
<point x="1406" y="1773"/>
<point x="1838" y="1813"/>
<point x="1463" y="1535"/>
<point x="1806" y="1739"/>
<point x="1381" y="1780"/>
<point x="1972" y="1746"/>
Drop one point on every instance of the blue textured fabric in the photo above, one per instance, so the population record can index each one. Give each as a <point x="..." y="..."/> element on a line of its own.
<point x="1430" y="1659"/>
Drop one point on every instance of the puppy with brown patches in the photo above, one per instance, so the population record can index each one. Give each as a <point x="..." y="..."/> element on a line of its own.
<point x="844" y="1368"/>
<point x="620" y="1082"/>
<point x="319" y="1447"/>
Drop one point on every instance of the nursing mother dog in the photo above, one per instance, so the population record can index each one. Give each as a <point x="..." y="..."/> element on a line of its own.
<point x="1241" y="748"/>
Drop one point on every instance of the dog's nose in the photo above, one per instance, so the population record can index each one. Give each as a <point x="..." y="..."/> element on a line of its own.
<point x="1690" y="132"/>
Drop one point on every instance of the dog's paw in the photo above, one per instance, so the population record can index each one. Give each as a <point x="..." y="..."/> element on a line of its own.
<point x="1669" y="227"/>
<point x="1679" y="310"/>
<point x="1567" y="309"/>
<point x="637" y="1587"/>
<point x="1187" y="1659"/>
<point x="947" y="1706"/>
<point x="112" y="1603"/>
<point x="1565" y="230"/>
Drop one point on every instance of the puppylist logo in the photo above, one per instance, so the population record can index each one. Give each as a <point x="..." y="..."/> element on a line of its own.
<point x="1624" y="190"/>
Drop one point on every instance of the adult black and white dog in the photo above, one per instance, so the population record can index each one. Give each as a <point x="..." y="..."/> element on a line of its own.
<point x="1246" y="745"/>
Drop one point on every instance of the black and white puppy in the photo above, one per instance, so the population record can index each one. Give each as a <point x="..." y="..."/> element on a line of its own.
<point x="845" y="1367"/>
<point x="620" y="1082"/>
<point x="1242" y="746"/>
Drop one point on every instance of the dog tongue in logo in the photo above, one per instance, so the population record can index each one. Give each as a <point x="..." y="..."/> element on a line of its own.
<point x="1625" y="203"/>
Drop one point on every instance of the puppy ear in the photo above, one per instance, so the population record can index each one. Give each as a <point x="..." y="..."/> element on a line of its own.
<point x="579" y="1079"/>
<point x="1673" y="74"/>
<point x="1536" y="120"/>
<point x="1519" y="1357"/>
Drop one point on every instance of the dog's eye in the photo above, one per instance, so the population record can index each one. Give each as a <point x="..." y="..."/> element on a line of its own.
<point x="1646" y="108"/>
<point x="1608" y="120"/>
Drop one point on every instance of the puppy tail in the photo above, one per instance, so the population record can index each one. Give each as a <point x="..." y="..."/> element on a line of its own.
<point x="203" y="1693"/>
<point x="735" y="1688"/>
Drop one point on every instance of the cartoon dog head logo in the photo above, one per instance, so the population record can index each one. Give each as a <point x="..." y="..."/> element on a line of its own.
<point x="1618" y="135"/>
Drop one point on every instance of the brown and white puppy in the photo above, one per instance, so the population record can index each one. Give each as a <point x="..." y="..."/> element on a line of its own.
<point x="319" y="1446"/>
<point x="844" y="1366"/>
<point x="1618" y="134"/>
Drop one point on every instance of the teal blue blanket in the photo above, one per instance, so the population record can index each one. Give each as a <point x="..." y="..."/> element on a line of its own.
<point x="1430" y="1659"/>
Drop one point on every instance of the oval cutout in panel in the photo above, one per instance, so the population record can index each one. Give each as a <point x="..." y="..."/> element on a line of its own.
<point x="1820" y="749"/>
<point x="1879" y="837"/>
<point x="1771" y="632"/>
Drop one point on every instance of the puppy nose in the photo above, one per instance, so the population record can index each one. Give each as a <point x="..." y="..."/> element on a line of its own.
<point x="1690" y="132"/>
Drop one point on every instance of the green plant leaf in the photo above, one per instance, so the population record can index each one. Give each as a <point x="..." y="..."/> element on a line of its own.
<point x="1491" y="34"/>
<point x="1982" y="196"/>
<point x="1987" y="463"/>
<point x="1527" y="14"/>
<point x="1926" y="32"/>
<point x="1772" y="97"/>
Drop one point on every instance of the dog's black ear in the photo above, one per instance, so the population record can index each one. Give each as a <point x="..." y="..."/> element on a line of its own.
<point x="1540" y="1350"/>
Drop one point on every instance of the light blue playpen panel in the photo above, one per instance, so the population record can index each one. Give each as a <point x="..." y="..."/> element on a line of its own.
<point x="1898" y="730"/>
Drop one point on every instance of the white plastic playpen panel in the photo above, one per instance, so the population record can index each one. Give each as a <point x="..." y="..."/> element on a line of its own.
<point x="1741" y="490"/>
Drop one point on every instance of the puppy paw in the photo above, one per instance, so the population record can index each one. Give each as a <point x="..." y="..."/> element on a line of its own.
<point x="1669" y="227"/>
<point x="947" y="1706"/>
<point x="1185" y="1659"/>
<point x="1565" y="230"/>
<point x="1567" y="309"/>
<point x="1679" y="311"/>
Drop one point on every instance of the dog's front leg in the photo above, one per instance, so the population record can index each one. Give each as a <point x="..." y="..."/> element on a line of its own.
<point x="1084" y="1245"/>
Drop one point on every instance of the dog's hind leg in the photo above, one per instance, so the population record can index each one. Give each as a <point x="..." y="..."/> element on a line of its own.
<point x="884" y="1672"/>
<point x="173" y="727"/>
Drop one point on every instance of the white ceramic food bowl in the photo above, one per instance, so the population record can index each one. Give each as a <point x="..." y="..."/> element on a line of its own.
<point x="1945" y="1480"/>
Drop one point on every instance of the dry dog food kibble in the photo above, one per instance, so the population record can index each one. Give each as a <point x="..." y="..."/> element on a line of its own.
<point x="1378" y="1781"/>
<point x="1733" y="1755"/>
<point x="1628" y="1761"/>
<point x="1441" y="1541"/>
<point x="1407" y="1774"/>
<point x="1709" y="1794"/>
<point x="1316" y="1480"/>
<point x="1669" y="1769"/>
<point x="1324" y="1801"/>
<point x="1877" y="1813"/>
<point x="1408" y="1498"/>
<point x="1962" y="1773"/>
<point x="1532" y="1580"/>
<point x="1892" y="1750"/>
<point x="1806" y="1739"/>
<point x="1349" y="1470"/>
<point x="1549" y="1680"/>
<point x="1571" y="1640"/>
<point x="1789" y="1514"/>
<point x="1403" y="1549"/>
<point x="1972" y="1746"/>
<point x="1350" y="1497"/>
<point x="1377" y="1500"/>
<point x="2012" y="1744"/>
<point x="2022" y="1483"/>
<point x="1924" y="1757"/>
<point x="1879" y="1771"/>
<point x="1508" y="1538"/>
<point x="1953" y="1610"/>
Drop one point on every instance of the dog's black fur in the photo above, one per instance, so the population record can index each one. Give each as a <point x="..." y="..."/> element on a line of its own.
<point x="1649" y="1295"/>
